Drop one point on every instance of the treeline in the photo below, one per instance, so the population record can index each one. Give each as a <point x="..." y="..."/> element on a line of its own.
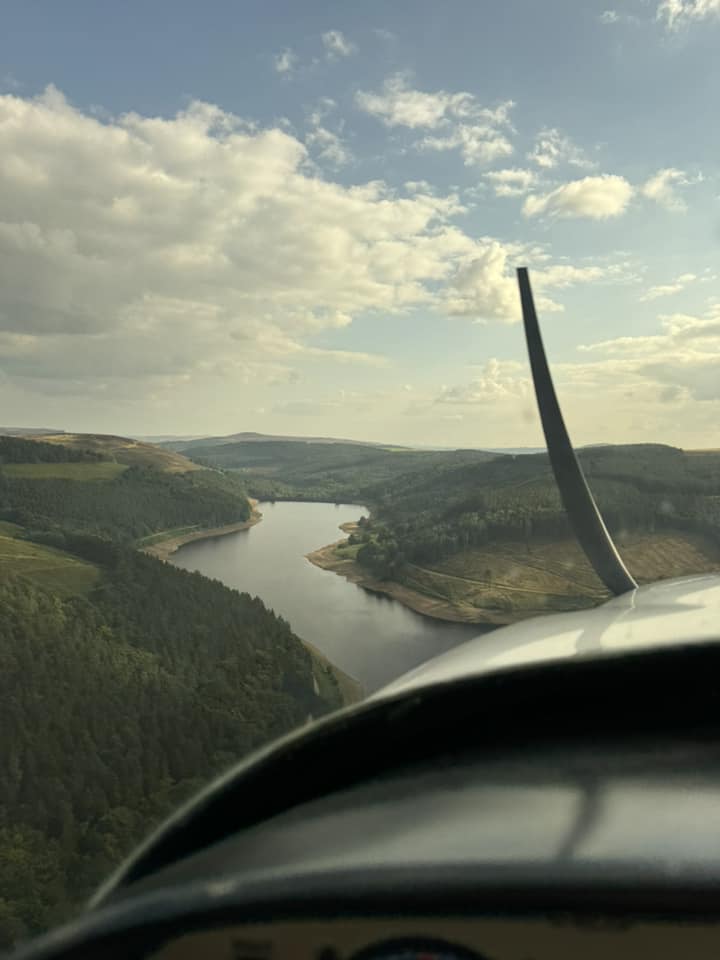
<point x="116" y="706"/>
<point x="132" y="505"/>
<point x="19" y="450"/>
<point x="444" y="510"/>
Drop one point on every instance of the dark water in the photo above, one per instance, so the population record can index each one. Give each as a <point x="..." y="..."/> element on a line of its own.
<point x="371" y="637"/>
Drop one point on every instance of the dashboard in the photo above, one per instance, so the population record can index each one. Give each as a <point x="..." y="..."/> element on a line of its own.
<point x="451" y="939"/>
<point x="567" y="814"/>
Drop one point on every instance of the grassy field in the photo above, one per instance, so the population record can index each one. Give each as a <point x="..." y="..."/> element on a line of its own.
<point x="508" y="580"/>
<point x="50" y="568"/>
<point x="102" y="470"/>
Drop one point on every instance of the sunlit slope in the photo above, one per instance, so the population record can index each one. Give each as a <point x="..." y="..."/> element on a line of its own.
<point x="111" y="487"/>
<point x="131" y="453"/>
<point x="508" y="582"/>
<point x="53" y="569"/>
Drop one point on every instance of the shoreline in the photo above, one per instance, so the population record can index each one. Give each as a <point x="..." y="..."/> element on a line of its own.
<point x="427" y="606"/>
<point x="351" y="690"/>
<point x="164" y="549"/>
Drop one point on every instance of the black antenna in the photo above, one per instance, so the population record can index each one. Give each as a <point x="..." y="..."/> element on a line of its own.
<point x="582" y="511"/>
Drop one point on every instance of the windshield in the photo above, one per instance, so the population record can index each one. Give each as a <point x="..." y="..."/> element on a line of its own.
<point x="270" y="437"/>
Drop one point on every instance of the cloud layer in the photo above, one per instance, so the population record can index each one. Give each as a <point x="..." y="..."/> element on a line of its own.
<point x="161" y="248"/>
<point x="598" y="198"/>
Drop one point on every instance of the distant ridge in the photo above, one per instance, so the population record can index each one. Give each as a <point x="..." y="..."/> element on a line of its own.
<point x="251" y="437"/>
<point x="29" y="431"/>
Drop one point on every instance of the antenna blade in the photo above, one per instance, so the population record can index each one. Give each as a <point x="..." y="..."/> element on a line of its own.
<point x="585" y="519"/>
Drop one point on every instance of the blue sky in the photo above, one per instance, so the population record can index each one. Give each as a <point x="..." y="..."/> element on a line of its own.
<point x="305" y="217"/>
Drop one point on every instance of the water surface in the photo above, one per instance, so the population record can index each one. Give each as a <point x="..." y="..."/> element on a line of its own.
<point x="370" y="636"/>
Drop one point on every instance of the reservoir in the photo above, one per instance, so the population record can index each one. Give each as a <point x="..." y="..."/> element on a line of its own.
<point x="368" y="635"/>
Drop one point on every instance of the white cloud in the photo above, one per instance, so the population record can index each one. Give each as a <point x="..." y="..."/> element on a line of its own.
<point x="667" y="289"/>
<point x="676" y="13"/>
<point x="199" y="256"/>
<point x="484" y="286"/>
<point x="478" y="143"/>
<point x="682" y="362"/>
<point x="553" y="149"/>
<point x="285" y="62"/>
<point x="662" y="189"/>
<point x="609" y="16"/>
<point x="401" y="105"/>
<point x="337" y="45"/>
<point x="512" y="182"/>
<point x="149" y="247"/>
<point x="327" y="143"/>
<point x="597" y="198"/>
<point x="461" y="123"/>
<point x="500" y="380"/>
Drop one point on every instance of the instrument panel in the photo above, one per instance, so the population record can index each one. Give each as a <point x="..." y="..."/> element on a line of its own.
<point x="450" y="939"/>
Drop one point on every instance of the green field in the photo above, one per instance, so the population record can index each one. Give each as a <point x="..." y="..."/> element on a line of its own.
<point x="45" y="566"/>
<point x="64" y="471"/>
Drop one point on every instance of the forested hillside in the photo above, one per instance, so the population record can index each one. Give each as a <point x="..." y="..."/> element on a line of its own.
<point x="447" y="509"/>
<point x="128" y="506"/>
<point x="306" y="470"/>
<point x="126" y="683"/>
<point x="490" y="542"/>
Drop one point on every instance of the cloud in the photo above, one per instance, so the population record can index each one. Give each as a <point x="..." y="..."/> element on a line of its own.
<point x="685" y="356"/>
<point x="511" y="182"/>
<point x="677" y="13"/>
<point x="553" y="149"/>
<point x="662" y="189"/>
<point x="484" y="286"/>
<point x="499" y="381"/>
<point x="478" y="143"/>
<point x="337" y="45"/>
<point x="143" y="257"/>
<point x="667" y="289"/>
<point x="147" y="247"/>
<point x="286" y="61"/>
<point x="328" y="144"/>
<point x="610" y="17"/>
<point x="400" y="105"/>
<point x="461" y="123"/>
<point x="597" y="198"/>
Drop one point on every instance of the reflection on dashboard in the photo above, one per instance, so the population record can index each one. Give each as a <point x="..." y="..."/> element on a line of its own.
<point x="450" y="939"/>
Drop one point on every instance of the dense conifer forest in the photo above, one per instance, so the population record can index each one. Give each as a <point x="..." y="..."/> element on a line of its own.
<point x="127" y="690"/>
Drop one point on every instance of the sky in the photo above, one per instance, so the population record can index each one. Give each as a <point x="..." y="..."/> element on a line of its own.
<point x="305" y="217"/>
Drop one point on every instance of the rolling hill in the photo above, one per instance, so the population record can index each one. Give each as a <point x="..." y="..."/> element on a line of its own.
<point x="123" y="450"/>
<point x="327" y="470"/>
<point x="111" y="487"/>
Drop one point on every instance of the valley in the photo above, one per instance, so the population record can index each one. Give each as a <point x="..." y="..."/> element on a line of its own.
<point x="129" y="680"/>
